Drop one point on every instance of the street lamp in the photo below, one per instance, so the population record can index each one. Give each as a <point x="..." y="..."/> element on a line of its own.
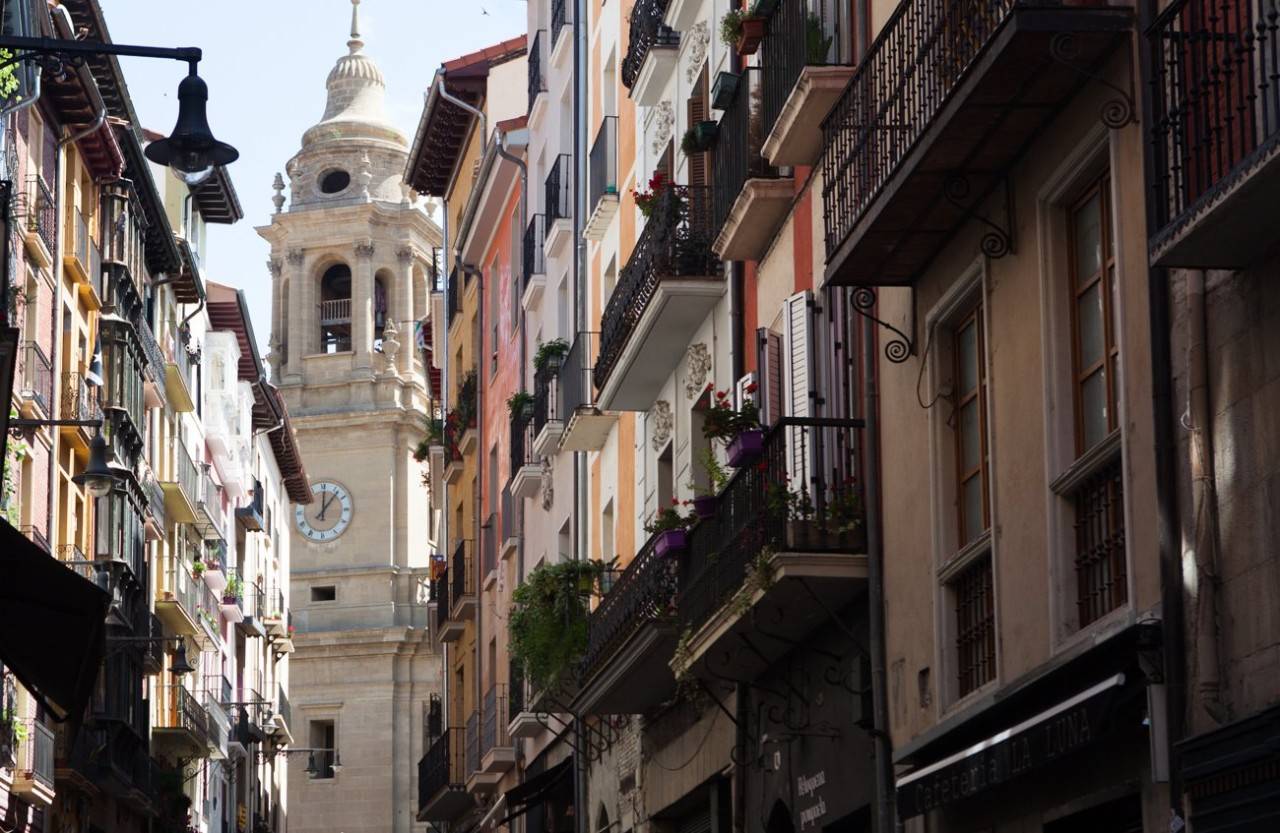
<point x="98" y="476"/>
<point x="191" y="150"/>
<point x="180" y="664"/>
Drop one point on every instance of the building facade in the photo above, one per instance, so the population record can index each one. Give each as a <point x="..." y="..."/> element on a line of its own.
<point x="351" y="263"/>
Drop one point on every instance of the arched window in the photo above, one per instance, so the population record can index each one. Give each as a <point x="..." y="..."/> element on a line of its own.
<point x="379" y="307"/>
<point x="335" y="309"/>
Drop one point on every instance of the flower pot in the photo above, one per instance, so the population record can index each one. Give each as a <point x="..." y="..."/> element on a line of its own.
<point x="704" y="133"/>
<point x="752" y="34"/>
<point x="671" y="541"/>
<point x="723" y="90"/>
<point x="745" y="447"/>
<point x="704" y="506"/>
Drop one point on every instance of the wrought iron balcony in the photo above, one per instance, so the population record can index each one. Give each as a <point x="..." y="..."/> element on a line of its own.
<point x="1215" y="133"/>
<point x="558" y="190"/>
<point x="534" y="260"/>
<point x="602" y="179"/>
<point x="442" y="778"/>
<point x="648" y="32"/>
<point x="497" y="754"/>
<point x="85" y="259"/>
<point x="558" y="21"/>
<point x="181" y="486"/>
<point x="453" y="296"/>
<point x="911" y="149"/>
<point x="473" y="744"/>
<point x="155" y="377"/>
<point x="664" y="292"/>
<point x="177" y="597"/>
<point x="462" y="577"/>
<point x="42" y="218"/>
<point x="630" y="637"/>
<point x="123" y="236"/>
<point x="36" y="378"/>
<point x="184" y="723"/>
<point x="785" y="526"/>
<point x="33" y="777"/>
<point x="526" y="468"/>
<point x="537" y="70"/>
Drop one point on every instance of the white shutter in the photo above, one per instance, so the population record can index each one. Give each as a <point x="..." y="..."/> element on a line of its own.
<point x="798" y="380"/>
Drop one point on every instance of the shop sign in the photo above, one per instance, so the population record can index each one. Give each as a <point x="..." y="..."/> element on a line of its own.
<point x="812" y="805"/>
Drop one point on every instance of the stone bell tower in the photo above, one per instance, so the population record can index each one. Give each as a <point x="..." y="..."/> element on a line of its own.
<point x="351" y="260"/>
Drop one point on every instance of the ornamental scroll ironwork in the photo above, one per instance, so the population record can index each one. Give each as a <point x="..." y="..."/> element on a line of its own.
<point x="997" y="242"/>
<point x="901" y="346"/>
<point x="1115" y="112"/>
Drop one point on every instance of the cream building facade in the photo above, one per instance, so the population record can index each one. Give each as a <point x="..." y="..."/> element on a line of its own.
<point x="351" y="264"/>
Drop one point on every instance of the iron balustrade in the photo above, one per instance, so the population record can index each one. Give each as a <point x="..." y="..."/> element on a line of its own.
<point x="738" y="143"/>
<point x="602" y="164"/>
<point x="35" y="752"/>
<point x="644" y="593"/>
<point x="452" y="297"/>
<point x="910" y="71"/>
<point x="515" y="690"/>
<point x="184" y="472"/>
<point x="494" y="719"/>
<point x="676" y="242"/>
<point x="802" y="494"/>
<point x="440" y="595"/>
<point x="489" y="544"/>
<point x="1101" y="574"/>
<point x="522" y="437"/>
<point x="557" y="191"/>
<point x="43" y="215"/>
<point x="1215" y="75"/>
<point x="462" y="572"/>
<point x="150" y="350"/>
<point x="185" y="712"/>
<point x="801" y="33"/>
<point x="647" y="32"/>
<point x="79" y="400"/>
<point x="123" y="235"/>
<point x="181" y="358"/>
<point x="154" y="649"/>
<point x="443" y="767"/>
<point x="558" y="21"/>
<point x="154" y="494"/>
<point x="574" y="379"/>
<point x="181" y="586"/>
<point x="473" y="743"/>
<point x="537" y="71"/>
<point x="533" y="260"/>
<point x="546" y="398"/>
<point x="37" y="376"/>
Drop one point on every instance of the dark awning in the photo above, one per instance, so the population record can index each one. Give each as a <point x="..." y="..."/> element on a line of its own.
<point x="52" y="624"/>
<point x="523" y="798"/>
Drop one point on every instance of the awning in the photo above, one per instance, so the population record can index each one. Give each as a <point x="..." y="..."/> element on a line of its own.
<point x="52" y="624"/>
<point x="523" y="798"/>
<point x="1053" y="733"/>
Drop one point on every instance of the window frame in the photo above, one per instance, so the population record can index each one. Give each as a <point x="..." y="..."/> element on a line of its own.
<point x="1105" y="279"/>
<point x="974" y="317"/>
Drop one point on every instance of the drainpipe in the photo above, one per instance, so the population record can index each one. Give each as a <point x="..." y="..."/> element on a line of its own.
<point x="875" y="586"/>
<point x="1204" y="502"/>
<point x="582" y="818"/>
<point x="1168" y="521"/>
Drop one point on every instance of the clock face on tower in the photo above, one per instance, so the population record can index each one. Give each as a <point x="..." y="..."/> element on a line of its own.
<point x="328" y="516"/>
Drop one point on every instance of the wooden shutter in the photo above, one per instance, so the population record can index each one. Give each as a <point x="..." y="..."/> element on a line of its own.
<point x="699" y="109"/>
<point x="769" y="366"/>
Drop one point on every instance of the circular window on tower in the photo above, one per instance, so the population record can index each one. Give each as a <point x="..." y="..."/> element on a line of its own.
<point x="331" y="182"/>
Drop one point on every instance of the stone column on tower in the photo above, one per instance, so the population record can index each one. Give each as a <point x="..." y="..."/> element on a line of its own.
<point x="407" y="257"/>
<point x="295" y="330"/>
<point x="362" y="307"/>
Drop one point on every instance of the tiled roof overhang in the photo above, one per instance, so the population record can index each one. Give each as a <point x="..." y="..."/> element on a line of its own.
<point x="217" y="198"/>
<point x="188" y="287"/>
<point x="442" y="137"/>
<point x="162" y="250"/>
<point x="268" y="403"/>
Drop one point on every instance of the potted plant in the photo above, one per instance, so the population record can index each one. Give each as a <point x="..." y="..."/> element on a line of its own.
<point x="743" y="30"/>
<point x="723" y="89"/>
<point x="670" y="529"/>
<point x="646" y="200"/>
<point x="234" y="589"/>
<point x="699" y="137"/>
<point x="520" y="403"/>
<point x="739" y="429"/>
<point x="548" y="620"/>
<point x="550" y="354"/>
<point x="704" y="497"/>
<point x="197" y="569"/>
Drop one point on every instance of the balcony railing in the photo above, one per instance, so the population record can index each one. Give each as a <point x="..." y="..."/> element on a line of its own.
<point x="644" y="593"/>
<point x="910" y="71"/>
<point x="462" y="572"/>
<point x="489" y="532"/>
<point x="35" y="753"/>
<point x="443" y="767"/>
<point x="647" y="32"/>
<point x="155" y="499"/>
<point x="1101" y="575"/>
<point x="440" y="595"/>
<point x="534" y="237"/>
<point x="79" y="399"/>
<point x="151" y="350"/>
<point x="676" y="242"/>
<point x="123" y="233"/>
<point x="602" y="164"/>
<point x="180" y="586"/>
<point x="738" y="143"/>
<point x="185" y="473"/>
<point x="803" y="495"/>
<point x="558" y="20"/>
<point x="43" y="216"/>
<point x="494" y="719"/>
<point x="801" y="33"/>
<point x="473" y="743"/>
<point x="185" y="712"/>
<point x="37" y="377"/>
<point x="558" y="189"/>
<point x="87" y="253"/>
<point x="546" y="397"/>
<point x="537" y="68"/>
<point x="453" y="297"/>
<point x="522" y="437"/>
<point x="335" y="311"/>
<point x="1215" y="67"/>
<point x="574" y="379"/>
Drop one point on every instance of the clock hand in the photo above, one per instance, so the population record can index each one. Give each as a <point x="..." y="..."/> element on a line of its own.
<point x="324" y="505"/>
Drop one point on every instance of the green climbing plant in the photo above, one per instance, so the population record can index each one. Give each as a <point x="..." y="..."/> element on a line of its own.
<point x="548" y="621"/>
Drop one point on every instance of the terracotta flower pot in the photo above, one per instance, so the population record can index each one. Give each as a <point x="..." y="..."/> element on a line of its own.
<point x="671" y="541"/>
<point x="745" y="447"/>
<point x="752" y="34"/>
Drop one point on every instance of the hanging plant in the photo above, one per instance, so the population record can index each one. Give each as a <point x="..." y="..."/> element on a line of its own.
<point x="550" y="354"/>
<point x="699" y="137"/>
<point x="548" y="621"/>
<point x="520" y="403"/>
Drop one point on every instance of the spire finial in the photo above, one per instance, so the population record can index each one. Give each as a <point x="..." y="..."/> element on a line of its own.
<point x="355" y="44"/>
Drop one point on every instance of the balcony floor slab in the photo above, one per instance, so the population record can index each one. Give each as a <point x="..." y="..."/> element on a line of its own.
<point x="796" y="138"/>
<point x="587" y="430"/>
<point x="757" y="213"/>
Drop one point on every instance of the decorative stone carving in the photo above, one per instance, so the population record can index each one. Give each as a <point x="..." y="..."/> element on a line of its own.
<point x="365" y="176"/>
<point x="275" y="266"/>
<point x="364" y="249"/>
<point x="548" y="488"/>
<point x="661" y="422"/>
<point x="664" y="120"/>
<point x="698" y="365"/>
<point x="278" y="187"/>
<point x="698" y="37"/>
<point x="404" y="254"/>
<point x="295" y="257"/>
<point x="390" y="345"/>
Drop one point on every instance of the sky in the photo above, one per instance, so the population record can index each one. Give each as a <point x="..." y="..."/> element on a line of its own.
<point x="265" y="62"/>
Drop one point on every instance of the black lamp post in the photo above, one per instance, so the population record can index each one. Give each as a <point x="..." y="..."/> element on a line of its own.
<point x="191" y="149"/>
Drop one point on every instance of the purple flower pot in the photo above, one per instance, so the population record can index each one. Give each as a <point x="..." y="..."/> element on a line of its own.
<point x="746" y="447"/>
<point x="704" y="506"/>
<point x="673" y="540"/>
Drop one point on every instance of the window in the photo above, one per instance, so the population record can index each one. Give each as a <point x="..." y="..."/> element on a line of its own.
<point x="324" y="593"/>
<point x="323" y="739"/>
<point x="1097" y="493"/>
<point x="969" y="423"/>
<point x="666" y="479"/>
<point x="973" y="598"/>
<point x="335" y="181"/>
<point x="335" y="309"/>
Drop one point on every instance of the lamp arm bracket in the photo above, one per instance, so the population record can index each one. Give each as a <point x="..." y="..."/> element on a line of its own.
<point x="58" y="52"/>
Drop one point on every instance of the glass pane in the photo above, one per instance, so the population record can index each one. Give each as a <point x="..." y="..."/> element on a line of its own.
<point x="971" y="506"/>
<point x="1089" y="319"/>
<point x="967" y="347"/>
<point x="970" y="441"/>
<point x="1093" y="409"/>
<point x="1088" y="237"/>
